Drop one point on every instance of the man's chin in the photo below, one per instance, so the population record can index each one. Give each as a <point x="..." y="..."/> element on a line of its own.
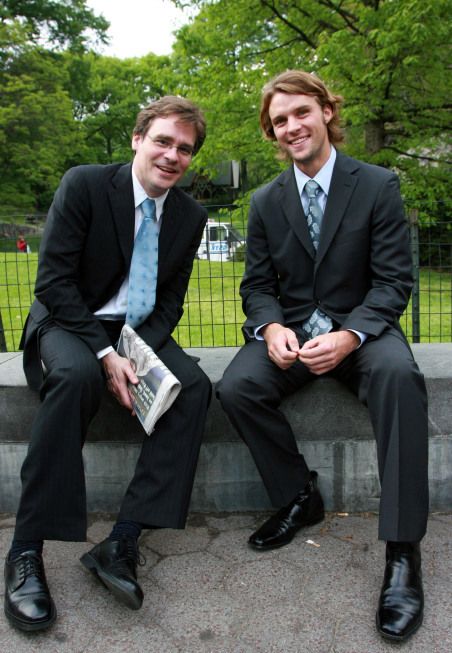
<point x="162" y="184"/>
<point x="167" y="179"/>
<point x="301" y="156"/>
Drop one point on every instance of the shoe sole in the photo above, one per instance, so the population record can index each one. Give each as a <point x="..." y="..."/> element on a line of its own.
<point x="398" y="638"/>
<point x="29" y="627"/>
<point x="108" y="581"/>
<point x="270" y="547"/>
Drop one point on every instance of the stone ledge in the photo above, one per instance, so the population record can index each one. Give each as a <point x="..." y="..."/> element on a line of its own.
<point x="337" y="441"/>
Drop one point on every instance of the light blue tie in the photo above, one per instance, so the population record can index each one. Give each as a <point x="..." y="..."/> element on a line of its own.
<point x="143" y="269"/>
<point x="318" y="322"/>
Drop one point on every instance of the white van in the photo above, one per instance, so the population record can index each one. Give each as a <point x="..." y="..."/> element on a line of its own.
<point x="219" y="241"/>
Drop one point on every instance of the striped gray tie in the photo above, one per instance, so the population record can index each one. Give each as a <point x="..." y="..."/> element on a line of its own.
<point x="318" y="322"/>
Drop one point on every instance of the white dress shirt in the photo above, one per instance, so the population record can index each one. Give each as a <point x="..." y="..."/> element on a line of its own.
<point x="323" y="179"/>
<point x="116" y="307"/>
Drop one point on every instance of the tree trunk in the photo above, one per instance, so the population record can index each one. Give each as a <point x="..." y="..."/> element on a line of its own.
<point x="374" y="133"/>
<point x="243" y="175"/>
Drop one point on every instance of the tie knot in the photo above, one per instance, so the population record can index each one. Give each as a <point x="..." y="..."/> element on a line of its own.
<point x="312" y="188"/>
<point x="148" y="208"/>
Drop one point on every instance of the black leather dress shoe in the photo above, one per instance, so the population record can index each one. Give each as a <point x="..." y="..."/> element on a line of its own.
<point x="305" y="510"/>
<point x="114" y="563"/>
<point x="28" y="604"/>
<point x="401" y="605"/>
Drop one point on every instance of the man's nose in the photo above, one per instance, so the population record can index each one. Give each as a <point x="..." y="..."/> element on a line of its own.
<point x="293" y="123"/>
<point x="171" y="153"/>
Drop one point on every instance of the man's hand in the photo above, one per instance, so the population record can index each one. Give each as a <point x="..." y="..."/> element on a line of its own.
<point x="118" y="372"/>
<point x="282" y="344"/>
<point x="323" y="353"/>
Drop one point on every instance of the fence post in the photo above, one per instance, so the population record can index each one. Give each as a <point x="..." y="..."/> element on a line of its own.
<point x="2" y="336"/>
<point x="413" y="216"/>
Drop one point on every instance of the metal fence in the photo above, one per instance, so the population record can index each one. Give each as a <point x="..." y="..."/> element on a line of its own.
<point x="212" y="312"/>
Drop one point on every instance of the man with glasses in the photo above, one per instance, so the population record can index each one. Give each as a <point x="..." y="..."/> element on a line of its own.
<point x="84" y="291"/>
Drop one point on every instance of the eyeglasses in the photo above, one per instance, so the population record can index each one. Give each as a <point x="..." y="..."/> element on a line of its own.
<point x="186" y="151"/>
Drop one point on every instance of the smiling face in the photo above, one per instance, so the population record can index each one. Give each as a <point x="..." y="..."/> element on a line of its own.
<point x="300" y="128"/>
<point x="161" y="154"/>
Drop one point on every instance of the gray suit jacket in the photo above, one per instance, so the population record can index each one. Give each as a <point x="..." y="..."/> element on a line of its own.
<point x="361" y="274"/>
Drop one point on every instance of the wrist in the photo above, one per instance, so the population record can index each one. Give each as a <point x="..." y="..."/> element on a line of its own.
<point x="352" y="339"/>
<point x="270" y="329"/>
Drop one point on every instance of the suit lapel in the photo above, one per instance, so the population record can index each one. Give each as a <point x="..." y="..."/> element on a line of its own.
<point x="342" y="186"/>
<point x="123" y="210"/>
<point x="172" y="225"/>
<point x="293" y="209"/>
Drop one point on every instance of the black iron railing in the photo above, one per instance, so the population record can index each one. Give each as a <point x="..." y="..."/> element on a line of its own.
<point x="213" y="314"/>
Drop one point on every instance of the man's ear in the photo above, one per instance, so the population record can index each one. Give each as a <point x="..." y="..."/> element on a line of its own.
<point x="327" y="113"/>
<point x="136" y="139"/>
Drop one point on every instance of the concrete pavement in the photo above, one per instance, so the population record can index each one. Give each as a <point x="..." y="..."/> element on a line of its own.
<point x="207" y="592"/>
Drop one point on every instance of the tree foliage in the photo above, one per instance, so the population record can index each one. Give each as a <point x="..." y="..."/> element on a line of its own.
<point x="59" y="104"/>
<point x="62" y="104"/>
<point x="389" y="58"/>
<point x="55" y="23"/>
<point x="107" y="93"/>
<point x="38" y="133"/>
<point x="36" y="129"/>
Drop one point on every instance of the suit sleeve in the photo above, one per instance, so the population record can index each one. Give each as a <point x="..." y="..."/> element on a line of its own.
<point x="63" y="243"/>
<point x="171" y="294"/>
<point x="259" y="288"/>
<point x="390" y="265"/>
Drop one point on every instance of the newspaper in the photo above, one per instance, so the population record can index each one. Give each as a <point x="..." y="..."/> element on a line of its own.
<point x="157" y="388"/>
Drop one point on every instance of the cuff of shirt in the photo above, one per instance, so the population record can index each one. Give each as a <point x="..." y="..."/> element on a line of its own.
<point x="103" y="352"/>
<point x="258" y="335"/>
<point x="362" y="336"/>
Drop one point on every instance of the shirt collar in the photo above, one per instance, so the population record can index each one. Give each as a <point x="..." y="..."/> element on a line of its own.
<point x="323" y="177"/>
<point x="140" y="195"/>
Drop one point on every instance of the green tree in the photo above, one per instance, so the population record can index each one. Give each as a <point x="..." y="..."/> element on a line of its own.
<point x="57" y="23"/>
<point x="38" y="134"/>
<point x="37" y="130"/>
<point x="388" y="58"/>
<point x="216" y="62"/>
<point x="107" y="93"/>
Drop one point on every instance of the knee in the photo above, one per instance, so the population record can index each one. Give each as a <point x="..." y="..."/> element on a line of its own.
<point x="398" y="372"/>
<point x="223" y="390"/>
<point x="231" y="390"/>
<point x="203" y="384"/>
<point x="196" y="382"/>
<point x="80" y="376"/>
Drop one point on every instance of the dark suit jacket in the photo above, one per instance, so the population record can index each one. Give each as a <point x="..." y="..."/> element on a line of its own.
<point x="361" y="274"/>
<point x="86" y="252"/>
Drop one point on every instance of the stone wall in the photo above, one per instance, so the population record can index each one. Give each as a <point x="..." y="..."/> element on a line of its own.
<point x="337" y="441"/>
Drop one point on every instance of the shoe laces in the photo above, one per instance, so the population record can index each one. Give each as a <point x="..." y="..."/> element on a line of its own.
<point x="129" y="551"/>
<point x="29" y="565"/>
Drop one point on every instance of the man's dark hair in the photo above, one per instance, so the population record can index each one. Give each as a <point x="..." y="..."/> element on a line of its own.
<point x="172" y="105"/>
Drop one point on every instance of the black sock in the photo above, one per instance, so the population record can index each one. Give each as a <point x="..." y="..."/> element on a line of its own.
<point x="125" y="527"/>
<point x="20" y="546"/>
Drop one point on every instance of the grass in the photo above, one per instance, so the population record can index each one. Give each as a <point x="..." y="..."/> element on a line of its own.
<point x="213" y="315"/>
<point x="17" y="275"/>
